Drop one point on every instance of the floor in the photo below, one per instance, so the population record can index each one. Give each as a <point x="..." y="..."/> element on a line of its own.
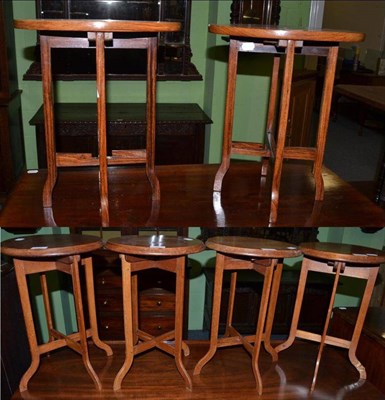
<point x="355" y="154"/>
<point x="227" y="376"/>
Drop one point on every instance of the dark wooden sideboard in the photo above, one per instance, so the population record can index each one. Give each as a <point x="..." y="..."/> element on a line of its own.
<point x="12" y="159"/>
<point x="180" y="127"/>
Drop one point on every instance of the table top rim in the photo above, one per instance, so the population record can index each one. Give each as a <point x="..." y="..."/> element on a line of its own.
<point x="253" y="246"/>
<point x="96" y="25"/>
<point x="154" y="245"/>
<point x="286" y="33"/>
<point x="343" y="252"/>
<point x="50" y="245"/>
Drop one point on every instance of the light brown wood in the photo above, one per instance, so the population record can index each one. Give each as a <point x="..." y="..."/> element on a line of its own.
<point x="373" y="96"/>
<point x="154" y="376"/>
<point x="138" y="253"/>
<point x="282" y="33"/>
<point x="264" y="257"/>
<point x="90" y="25"/>
<point x="101" y="32"/>
<point x="338" y="260"/>
<point x="39" y="254"/>
<point x="288" y="42"/>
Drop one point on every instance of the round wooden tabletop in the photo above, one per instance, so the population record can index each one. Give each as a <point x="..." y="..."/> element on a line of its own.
<point x="343" y="252"/>
<point x="282" y="33"/>
<point x="155" y="245"/>
<point x="254" y="247"/>
<point x="50" y="245"/>
<point x="96" y="25"/>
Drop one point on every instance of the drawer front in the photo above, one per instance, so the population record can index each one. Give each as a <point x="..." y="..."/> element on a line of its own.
<point x="156" y="324"/>
<point x="157" y="303"/>
<point x="111" y="327"/>
<point x="109" y="302"/>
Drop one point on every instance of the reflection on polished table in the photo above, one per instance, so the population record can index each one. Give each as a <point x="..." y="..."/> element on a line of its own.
<point x="188" y="199"/>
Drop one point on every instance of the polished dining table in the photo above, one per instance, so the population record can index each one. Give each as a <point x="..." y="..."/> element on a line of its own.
<point x="188" y="199"/>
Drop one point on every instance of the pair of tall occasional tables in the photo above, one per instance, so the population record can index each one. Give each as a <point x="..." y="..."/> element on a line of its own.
<point x="280" y="42"/>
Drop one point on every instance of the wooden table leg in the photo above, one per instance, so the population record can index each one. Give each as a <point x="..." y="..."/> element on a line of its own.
<point x="127" y="315"/>
<point x="229" y="116"/>
<point x="87" y="262"/>
<point x="29" y="324"/>
<point x="179" y="301"/>
<point x="282" y="128"/>
<point x="80" y="320"/>
<point x="218" y="281"/>
<point x="48" y="121"/>
<point x="323" y="123"/>
<point x="277" y="266"/>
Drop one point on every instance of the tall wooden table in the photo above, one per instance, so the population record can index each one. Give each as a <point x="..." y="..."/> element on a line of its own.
<point x="39" y="254"/>
<point x="99" y="35"/>
<point x="289" y="42"/>
<point x="138" y="253"/>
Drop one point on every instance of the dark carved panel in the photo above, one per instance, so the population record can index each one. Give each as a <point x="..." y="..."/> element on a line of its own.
<point x="264" y="12"/>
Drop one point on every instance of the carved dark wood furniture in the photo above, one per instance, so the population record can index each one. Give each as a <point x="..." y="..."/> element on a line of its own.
<point x="279" y="41"/>
<point x="265" y="257"/>
<point x="139" y="253"/>
<point x="264" y="12"/>
<point x="65" y="253"/>
<point x="338" y="260"/>
<point x="12" y="159"/>
<point x="179" y="126"/>
<point x="99" y="35"/>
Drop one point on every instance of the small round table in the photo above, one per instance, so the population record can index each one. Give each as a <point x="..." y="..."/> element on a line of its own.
<point x="265" y="257"/>
<point x="338" y="260"/>
<point x="40" y="254"/>
<point x="287" y="43"/>
<point x="100" y="34"/>
<point x="138" y="253"/>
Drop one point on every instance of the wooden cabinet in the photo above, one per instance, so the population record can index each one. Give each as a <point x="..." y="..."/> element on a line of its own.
<point x="12" y="158"/>
<point x="301" y="109"/>
<point x="180" y="127"/>
<point x="247" y="301"/>
<point x="156" y="298"/>
<point x="265" y="12"/>
<point x="15" y="355"/>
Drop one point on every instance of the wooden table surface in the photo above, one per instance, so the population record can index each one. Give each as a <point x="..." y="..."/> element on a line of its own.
<point x="373" y="96"/>
<point x="187" y="199"/>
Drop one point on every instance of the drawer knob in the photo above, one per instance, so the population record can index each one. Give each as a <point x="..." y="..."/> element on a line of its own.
<point x="159" y="303"/>
<point x="106" y="327"/>
<point x="105" y="302"/>
<point x="159" y="327"/>
<point x="103" y="281"/>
